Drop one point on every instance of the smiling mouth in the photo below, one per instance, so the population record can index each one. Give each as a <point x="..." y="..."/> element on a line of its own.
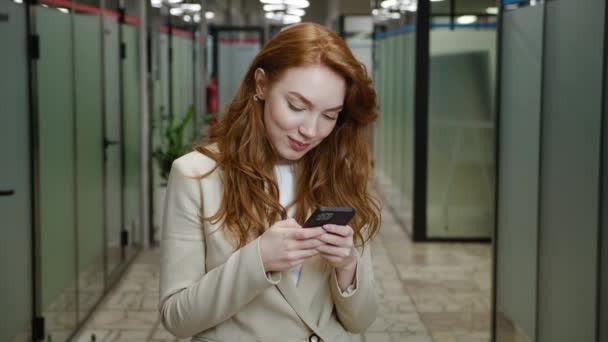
<point x="298" y="144"/>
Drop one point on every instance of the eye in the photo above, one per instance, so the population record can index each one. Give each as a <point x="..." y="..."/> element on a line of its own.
<point x="332" y="117"/>
<point x="294" y="108"/>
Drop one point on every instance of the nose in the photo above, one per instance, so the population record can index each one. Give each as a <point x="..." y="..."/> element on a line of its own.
<point x="308" y="129"/>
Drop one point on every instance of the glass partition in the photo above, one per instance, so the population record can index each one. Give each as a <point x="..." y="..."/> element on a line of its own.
<point x="460" y="186"/>
<point x="520" y="116"/>
<point x="132" y="140"/>
<point x="89" y="157"/>
<point x="393" y="142"/>
<point x="112" y="144"/>
<point x="550" y="226"/>
<point x="15" y="182"/>
<point x="82" y="177"/>
<point x="159" y="114"/>
<point x="57" y="172"/>
<point x="182" y="73"/>
<point x="235" y="49"/>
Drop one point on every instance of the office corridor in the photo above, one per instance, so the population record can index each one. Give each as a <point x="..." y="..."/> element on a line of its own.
<point x="429" y="292"/>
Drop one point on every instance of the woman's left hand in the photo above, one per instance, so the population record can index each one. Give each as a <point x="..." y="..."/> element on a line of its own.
<point x="339" y="249"/>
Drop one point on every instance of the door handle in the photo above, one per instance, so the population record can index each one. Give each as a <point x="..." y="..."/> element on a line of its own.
<point x="107" y="142"/>
<point x="7" y="192"/>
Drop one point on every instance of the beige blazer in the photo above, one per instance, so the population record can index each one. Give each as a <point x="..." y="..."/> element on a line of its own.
<point x="214" y="293"/>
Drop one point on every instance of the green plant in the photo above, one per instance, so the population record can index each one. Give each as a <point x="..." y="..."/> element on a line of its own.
<point x="173" y="145"/>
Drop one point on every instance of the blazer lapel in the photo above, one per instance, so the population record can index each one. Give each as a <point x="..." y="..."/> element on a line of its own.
<point x="307" y="286"/>
<point x="289" y="292"/>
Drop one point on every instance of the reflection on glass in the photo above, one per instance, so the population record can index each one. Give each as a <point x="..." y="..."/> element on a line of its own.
<point x="461" y="133"/>
<point x="394" y="131"/>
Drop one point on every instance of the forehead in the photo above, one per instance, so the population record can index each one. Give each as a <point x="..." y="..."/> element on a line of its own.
<point x="318" y="83"/>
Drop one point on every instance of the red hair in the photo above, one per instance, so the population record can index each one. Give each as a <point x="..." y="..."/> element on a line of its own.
<point x="334" y="173"/>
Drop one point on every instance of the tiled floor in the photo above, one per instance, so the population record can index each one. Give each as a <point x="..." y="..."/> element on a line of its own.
<point x="430" y="292"/>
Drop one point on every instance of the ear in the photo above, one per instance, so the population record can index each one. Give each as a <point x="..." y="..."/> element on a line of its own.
<point x="260" y="82"/>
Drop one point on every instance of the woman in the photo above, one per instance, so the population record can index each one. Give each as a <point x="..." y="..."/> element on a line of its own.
<point x="236" y="264"/>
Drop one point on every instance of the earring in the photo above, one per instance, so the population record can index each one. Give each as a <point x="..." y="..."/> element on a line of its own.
<point x="257" y="98"/>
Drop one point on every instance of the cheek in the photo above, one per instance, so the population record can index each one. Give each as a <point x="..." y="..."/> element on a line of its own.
<point x="326" y="127"/>
<point x="282" y="118"/>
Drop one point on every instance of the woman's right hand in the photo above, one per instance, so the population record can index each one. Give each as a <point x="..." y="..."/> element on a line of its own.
<point x="286" y="244"/>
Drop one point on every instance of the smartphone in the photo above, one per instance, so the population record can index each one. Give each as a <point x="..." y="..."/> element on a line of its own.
<point x="328" y="215"/>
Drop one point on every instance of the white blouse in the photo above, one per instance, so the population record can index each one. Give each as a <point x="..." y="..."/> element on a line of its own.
<point x="286" y="182"/>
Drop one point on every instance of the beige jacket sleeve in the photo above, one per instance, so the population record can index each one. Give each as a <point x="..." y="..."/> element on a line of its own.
<point x="193" y="299"/>
<point x="357" y="307"/>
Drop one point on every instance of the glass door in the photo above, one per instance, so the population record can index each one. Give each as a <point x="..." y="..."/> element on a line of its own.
<point x="89" y="155"/>
<point x="15" y="185"/>
<point x="112" y="152"/>
<point x="58" y="206"/>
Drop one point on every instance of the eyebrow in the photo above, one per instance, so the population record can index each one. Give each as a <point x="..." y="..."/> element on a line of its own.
<point x="308" y="103"/>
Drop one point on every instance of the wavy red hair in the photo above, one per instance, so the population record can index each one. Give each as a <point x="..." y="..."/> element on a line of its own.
<point x="335" y="173"/>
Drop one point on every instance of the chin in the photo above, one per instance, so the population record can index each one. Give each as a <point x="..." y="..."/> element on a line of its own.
<point x="292" y="155"/>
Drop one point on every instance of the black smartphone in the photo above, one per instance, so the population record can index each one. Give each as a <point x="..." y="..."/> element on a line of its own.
<point x="328" y="215"/>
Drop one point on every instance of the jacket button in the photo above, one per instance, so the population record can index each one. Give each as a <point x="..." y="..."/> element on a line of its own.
<point x="314" y="338"/>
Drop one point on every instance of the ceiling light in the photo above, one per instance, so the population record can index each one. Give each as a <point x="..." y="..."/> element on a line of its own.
<point x="18" y="1"/>
<point x="492" y="10"/>
<point x="436" y="0"/>
<point x="272" y="2"/>
<point x="64" y="10"/>
<point x="389" y="3"/>
<point x="466" y="19"/>
<point x="176" y="11"/>
<point x="296" y="11"/>
<point x="197" y="18"/>
<point x="156" y="3"/>
<point x="297" y="3"/>
<point x="270" y="8"/>
<point x="174" y="1"/>
<point x="270" y="15"/>
<point x="394" y="15"/>
<point x="187" y="18"/>
<point x="411" y="8"/>
<point x="209" y="15"/>
<point x="191" y="7"/>
<point x="291" y="19"/>
<point x="375" y="11"/>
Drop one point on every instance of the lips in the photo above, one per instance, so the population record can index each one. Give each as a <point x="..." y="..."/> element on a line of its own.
<point x="297" y="146"/>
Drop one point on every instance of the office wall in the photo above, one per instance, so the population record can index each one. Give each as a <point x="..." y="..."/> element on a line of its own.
<point x="519" y="153"/>
<point x="572" y="109"/>
<point x="547" y="271"/>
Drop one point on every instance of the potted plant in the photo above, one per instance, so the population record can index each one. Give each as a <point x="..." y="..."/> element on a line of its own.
<point x="172" y="146"/>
